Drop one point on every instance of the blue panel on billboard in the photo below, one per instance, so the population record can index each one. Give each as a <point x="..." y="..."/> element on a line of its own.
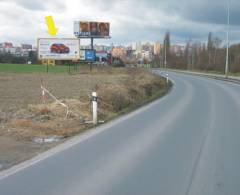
<point x="90" y="55"/>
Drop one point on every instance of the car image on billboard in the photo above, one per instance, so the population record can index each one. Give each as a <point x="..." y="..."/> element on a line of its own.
<point x="59" y="48"/>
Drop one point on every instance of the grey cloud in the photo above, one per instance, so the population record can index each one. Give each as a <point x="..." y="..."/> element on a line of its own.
<point x="32" y="5"/>
<point x="40" y="5"/>
<point x="195" y="18"/>
<point x="104" y="5"/>
<point x="134" y="20"/>
<point x="205" y="11"/>
<point x="212" y="12"/>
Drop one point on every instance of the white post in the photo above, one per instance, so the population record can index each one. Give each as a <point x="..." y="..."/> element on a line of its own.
<point x="167" y="78"/>
<point x="94" y="107"/>
<point x="43" y="95"/>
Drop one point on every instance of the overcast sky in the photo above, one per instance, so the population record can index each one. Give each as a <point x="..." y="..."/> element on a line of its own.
<point x="22" y="21"/>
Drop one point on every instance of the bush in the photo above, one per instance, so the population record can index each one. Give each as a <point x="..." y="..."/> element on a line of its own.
<point x="118" y="101"/>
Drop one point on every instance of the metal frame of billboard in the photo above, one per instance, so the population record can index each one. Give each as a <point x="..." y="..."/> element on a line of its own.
<point x="39" y="58"/>
<point x="92" y="37"/>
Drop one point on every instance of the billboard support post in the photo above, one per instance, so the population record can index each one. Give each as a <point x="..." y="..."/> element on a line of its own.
<point x="91" y="43"/>
<point x="91" y="49"/>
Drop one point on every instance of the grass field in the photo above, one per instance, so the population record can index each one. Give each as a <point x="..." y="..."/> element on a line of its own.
<point x="25" y="68"/>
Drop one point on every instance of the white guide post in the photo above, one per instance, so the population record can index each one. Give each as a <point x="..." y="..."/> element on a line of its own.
<point x="167" y="78"/>
<point x="94" y="107"/>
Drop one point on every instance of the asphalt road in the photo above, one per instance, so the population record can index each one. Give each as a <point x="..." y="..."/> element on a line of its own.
<point x="187" y="143"/>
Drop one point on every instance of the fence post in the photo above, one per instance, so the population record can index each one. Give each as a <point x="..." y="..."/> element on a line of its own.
<point x="69" y="68"/>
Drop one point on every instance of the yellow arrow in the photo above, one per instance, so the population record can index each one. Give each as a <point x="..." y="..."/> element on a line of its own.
<point x="52" y="30"/>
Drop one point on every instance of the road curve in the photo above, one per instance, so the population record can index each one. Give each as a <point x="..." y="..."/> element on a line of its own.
<point x="186" y="143"/>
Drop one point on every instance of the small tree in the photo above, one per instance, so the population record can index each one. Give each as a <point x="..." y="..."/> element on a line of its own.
<point x="167" y="46"/>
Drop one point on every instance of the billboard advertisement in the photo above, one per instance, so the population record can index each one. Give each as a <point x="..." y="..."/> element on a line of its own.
<point x="91" y="29"/>
<point x="88" y="55"/>
<point x="58" y="49"/>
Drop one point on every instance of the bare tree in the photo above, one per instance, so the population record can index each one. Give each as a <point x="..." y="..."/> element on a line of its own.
<point x="209" y="48"/>
<point x="216" y="42"/>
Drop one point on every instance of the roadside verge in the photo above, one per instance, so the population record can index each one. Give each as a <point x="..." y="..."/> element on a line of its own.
<point x="231" y="79"/>
<point x="36" y="128"/>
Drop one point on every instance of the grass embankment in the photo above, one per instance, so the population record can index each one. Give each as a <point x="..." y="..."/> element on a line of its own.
<point x="119" y="91"/>
<point x="217" y="72"/>
<point x="210" y="72"/>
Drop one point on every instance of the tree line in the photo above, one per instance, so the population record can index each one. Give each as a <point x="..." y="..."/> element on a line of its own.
<point x="208" y="56"/>
<point x="7" y="57"/>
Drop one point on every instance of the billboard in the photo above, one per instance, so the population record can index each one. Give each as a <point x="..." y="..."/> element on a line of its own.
<point x="88" y="55"/>
<point x="58" y="49"/>
<point x="91" y="29"/>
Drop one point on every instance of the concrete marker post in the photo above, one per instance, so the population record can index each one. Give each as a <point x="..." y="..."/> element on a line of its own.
<point x="43" y="95"/>
<point x="167" y="78"/>
<point x="94" y="107"/>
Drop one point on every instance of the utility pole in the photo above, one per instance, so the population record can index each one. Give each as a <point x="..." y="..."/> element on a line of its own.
<point x="227" y="52"/>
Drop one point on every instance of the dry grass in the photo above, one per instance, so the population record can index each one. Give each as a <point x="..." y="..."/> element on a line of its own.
<point x="132" y="87"/>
